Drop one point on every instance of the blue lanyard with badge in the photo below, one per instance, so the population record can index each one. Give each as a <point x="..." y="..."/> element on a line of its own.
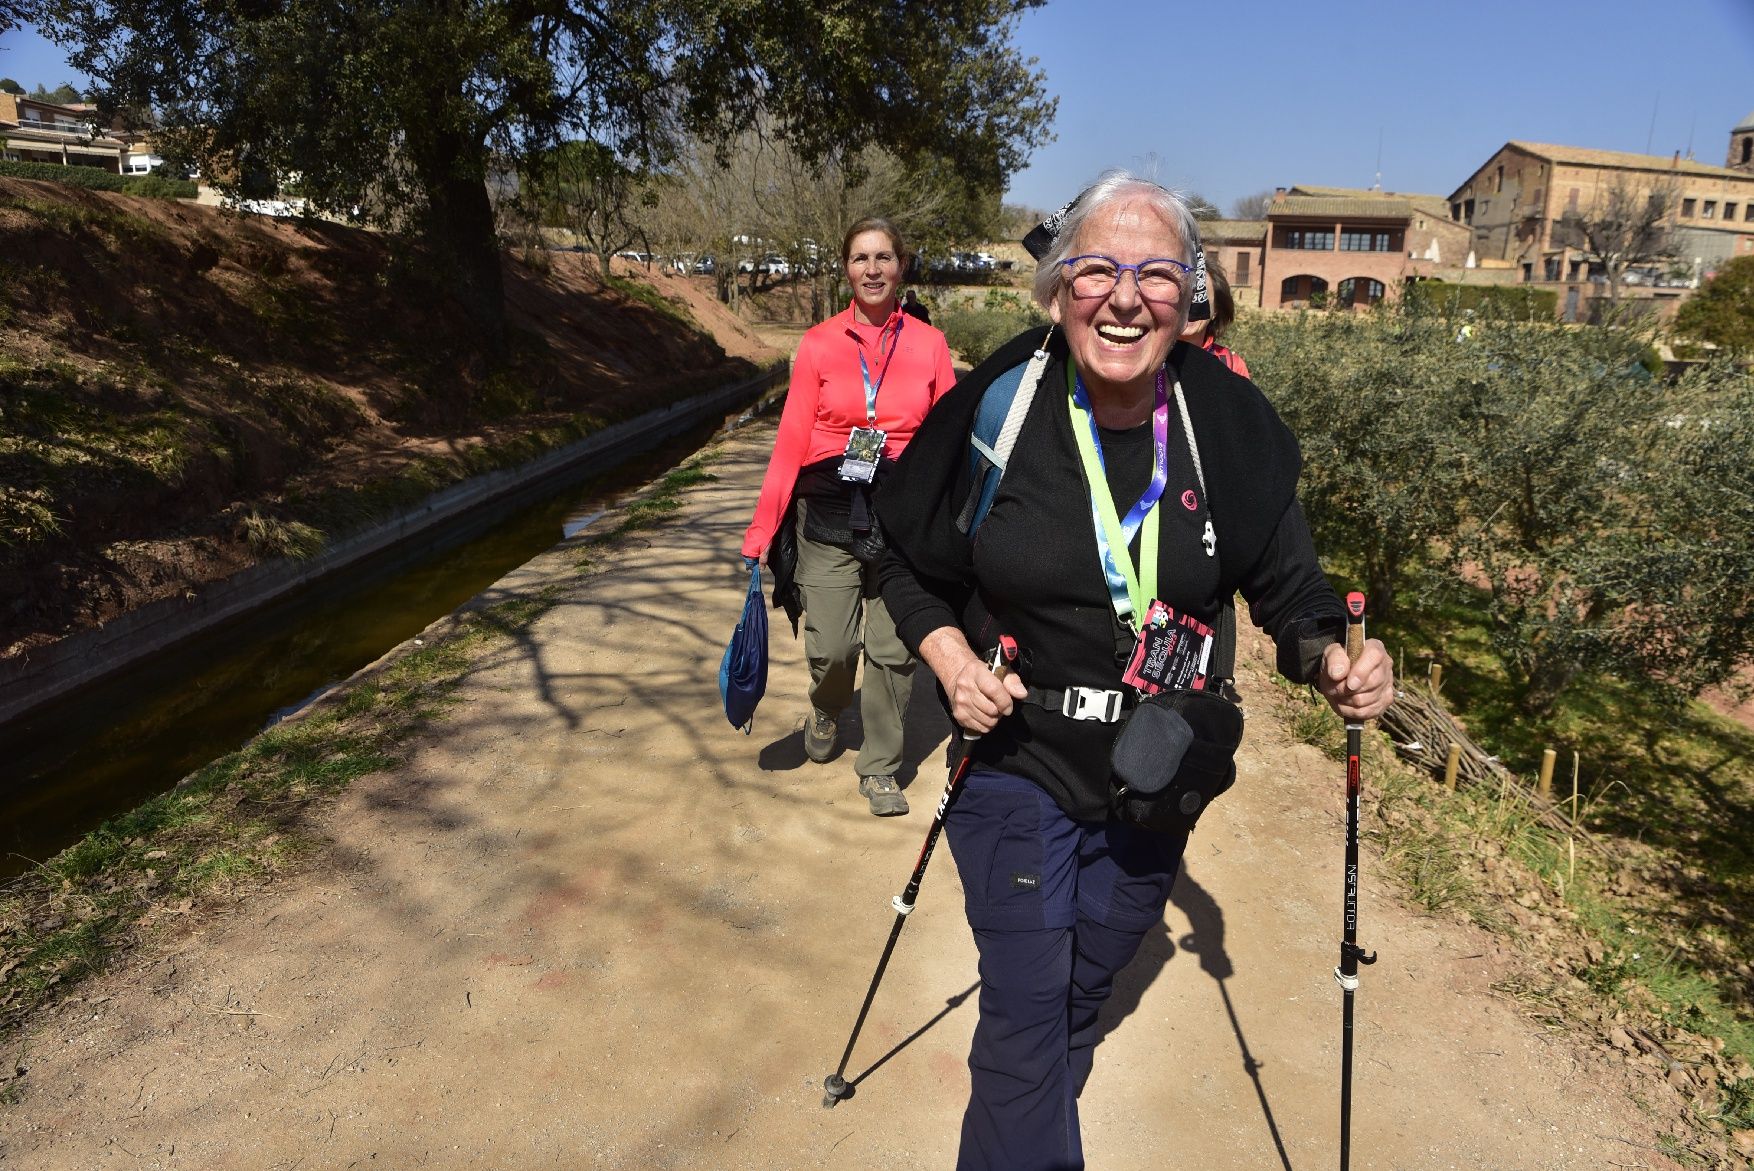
<point x="1171" y="649"/>
<point x="865" y="444"/>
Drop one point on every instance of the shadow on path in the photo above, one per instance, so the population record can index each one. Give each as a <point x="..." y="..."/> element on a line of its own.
<point x="950" y="1006"/>
<point x="1206" y="940"/>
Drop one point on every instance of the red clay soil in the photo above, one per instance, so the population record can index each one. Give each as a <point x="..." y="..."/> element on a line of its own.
<point x="297" y="360"/>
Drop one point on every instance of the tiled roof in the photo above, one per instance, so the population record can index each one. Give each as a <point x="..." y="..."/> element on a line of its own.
<point x="1582" y="156"/>
<point x="1340" y="208"/>
<point x="1233" y="231"/>
<point x="1436" y="205"/>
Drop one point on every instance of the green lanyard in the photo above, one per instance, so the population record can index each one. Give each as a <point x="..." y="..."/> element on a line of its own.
<point x="1130" y="591"/>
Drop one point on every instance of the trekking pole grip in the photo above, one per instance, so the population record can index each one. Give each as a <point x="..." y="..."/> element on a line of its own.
<point x="1354" y="625"/>
<point x="1001" y="661"/>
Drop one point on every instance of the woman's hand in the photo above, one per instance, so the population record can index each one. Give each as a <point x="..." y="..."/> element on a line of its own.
<point x="1361" y="690"/>
<point x="978" y="698"/>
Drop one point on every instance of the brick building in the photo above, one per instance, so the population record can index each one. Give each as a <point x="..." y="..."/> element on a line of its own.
<point x="1339" y="243"/>
<point x="1239" y="246"/>
<point x="1515" y="205"/>
<point x="69" y="136"/>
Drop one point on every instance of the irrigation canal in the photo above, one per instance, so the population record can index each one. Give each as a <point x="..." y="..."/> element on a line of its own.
<point x="104" y="750"/>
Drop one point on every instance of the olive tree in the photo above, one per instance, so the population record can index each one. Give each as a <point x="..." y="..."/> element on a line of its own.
<point x="1369" y="397"/>
<point x="1596" y="517"/>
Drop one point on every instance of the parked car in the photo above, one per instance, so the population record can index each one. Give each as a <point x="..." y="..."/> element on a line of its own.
<point x="774" y="265"/>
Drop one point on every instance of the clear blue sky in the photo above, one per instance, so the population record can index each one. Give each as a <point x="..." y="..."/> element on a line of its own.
<point x="1270" y="93"/>
<point x="1276" y="92"/>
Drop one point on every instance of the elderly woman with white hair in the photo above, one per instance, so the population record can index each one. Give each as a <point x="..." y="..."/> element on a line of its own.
<point x="1146" y="485"/>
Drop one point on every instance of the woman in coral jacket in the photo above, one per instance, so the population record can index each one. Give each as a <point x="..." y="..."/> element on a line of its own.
<point x="861" y="383"/>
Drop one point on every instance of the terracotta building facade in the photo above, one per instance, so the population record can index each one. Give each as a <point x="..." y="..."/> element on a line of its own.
<point x="1515" y="207"/>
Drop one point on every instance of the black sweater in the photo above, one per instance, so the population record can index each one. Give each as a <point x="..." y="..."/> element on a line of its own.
<point x="1032" y="570"/>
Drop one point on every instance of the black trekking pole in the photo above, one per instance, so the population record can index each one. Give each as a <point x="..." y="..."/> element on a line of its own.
<point x="1002" y="662"/>
<point x="1351" y="955"/>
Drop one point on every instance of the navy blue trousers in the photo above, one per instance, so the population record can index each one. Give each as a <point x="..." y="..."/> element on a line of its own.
<point x="1057" y="908"/>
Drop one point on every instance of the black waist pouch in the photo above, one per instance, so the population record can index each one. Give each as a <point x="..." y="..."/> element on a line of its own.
<point x="1173" y="758"/>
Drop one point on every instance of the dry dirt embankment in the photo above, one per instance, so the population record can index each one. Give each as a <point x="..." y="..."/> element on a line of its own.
<point x="579" y="922"/>
<point x="185" y="392"/>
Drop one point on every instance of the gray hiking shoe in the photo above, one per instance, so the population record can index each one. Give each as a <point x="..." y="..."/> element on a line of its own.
<point x="884" y="795"/>
<point x="819" y="736"/>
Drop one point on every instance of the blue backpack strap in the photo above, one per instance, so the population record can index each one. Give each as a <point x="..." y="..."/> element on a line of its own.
<point x="985" y="464"/>
<point x="997" y="421"/>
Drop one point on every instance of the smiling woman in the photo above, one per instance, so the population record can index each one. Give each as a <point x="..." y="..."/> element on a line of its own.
<point x="861" y="383"/>
<point x="1148" y="484"/>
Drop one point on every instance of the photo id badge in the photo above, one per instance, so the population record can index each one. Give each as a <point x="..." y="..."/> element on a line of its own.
<point x="864" y="449"/>
<point x="1172" y="652"/>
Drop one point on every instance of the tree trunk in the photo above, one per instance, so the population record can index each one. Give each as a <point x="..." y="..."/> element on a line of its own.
<point x="459" y="230"/>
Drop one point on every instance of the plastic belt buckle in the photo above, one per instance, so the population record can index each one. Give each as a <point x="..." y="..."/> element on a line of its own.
<point x="1090" y="703"/>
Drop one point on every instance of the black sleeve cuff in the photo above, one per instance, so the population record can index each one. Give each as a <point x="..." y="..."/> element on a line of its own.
<point x="1303" y="642"/>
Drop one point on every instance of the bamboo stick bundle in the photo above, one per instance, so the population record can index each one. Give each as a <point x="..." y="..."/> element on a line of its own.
<point x="1423" y="731"/>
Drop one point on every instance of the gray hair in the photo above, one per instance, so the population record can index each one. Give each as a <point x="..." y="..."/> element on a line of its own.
<point x="1111" y="186"/>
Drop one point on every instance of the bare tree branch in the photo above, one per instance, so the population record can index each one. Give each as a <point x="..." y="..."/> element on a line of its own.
<point x="1626" y="224"/>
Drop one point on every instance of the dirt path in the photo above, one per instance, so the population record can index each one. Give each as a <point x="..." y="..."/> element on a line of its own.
<point x="587" y="924"/>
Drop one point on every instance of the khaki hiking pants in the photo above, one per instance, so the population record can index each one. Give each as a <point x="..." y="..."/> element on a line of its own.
<point x="839" y="597"/>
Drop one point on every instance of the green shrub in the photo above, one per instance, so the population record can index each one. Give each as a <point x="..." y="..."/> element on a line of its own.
<point x="1512" y="301"/>
<point x="152" y="186"/>
<point x="158" y="187"/>
<point x="976" y="333"/>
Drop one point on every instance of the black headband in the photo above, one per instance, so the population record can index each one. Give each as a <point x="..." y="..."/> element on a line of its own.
<point x="1042" y="237"/>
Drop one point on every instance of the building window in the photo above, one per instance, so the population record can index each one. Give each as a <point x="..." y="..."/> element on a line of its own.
<point x="1709" y="211"/>
<point x="1729" y="210"/>
<point x="1748" y="212"/>
<point x="1550" y="268"/>
<point x="1571" y="201"/>
<point x="1364" y="241"/>
<point x="1687" y="206"/>
<point x="1242" y="268"/>
<point x="1574" y="270"/>
<point x="1301" y="288"/>
<point x="1528" y="271"/>
<point x="1352" y="287"/>
<point x="1498" y="183"/>
<point x="1747" y="149"/>
<point x="1455" y="212"/>
<point x="1308" y="240"/>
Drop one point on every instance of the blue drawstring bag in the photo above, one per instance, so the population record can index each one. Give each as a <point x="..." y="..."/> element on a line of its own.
<point x="743" y="670"/>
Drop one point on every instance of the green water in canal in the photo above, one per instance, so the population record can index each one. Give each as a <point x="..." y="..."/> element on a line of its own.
<point x="100" y="752"/>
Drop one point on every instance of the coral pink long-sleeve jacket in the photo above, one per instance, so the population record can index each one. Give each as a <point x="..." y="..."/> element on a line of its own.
<point x="827" y="400"/>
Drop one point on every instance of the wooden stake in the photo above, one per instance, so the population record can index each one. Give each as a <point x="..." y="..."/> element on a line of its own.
<point x="1451" y="767"/>
<point x="1571" y="836"/>
<point x="1436" y="676"/>
<point x="1545" y="785"/>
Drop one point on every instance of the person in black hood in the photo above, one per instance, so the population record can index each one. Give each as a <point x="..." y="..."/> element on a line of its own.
<point x="1060" y="883"/>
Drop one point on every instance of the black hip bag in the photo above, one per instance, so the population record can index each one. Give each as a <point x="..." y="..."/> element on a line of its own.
<point x="1174" y="756"/>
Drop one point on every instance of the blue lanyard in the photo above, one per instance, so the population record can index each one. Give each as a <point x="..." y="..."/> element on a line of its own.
<point x="1129" y="592"/>
<point x="865" y="371"/>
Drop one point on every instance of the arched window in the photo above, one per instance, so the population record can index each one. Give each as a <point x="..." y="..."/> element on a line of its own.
<point x="1747" y="148"/>
<point x="1352" y="287"/>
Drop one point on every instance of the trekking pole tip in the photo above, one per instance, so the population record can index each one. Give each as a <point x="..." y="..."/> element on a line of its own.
<point x="834" y="1088"/>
